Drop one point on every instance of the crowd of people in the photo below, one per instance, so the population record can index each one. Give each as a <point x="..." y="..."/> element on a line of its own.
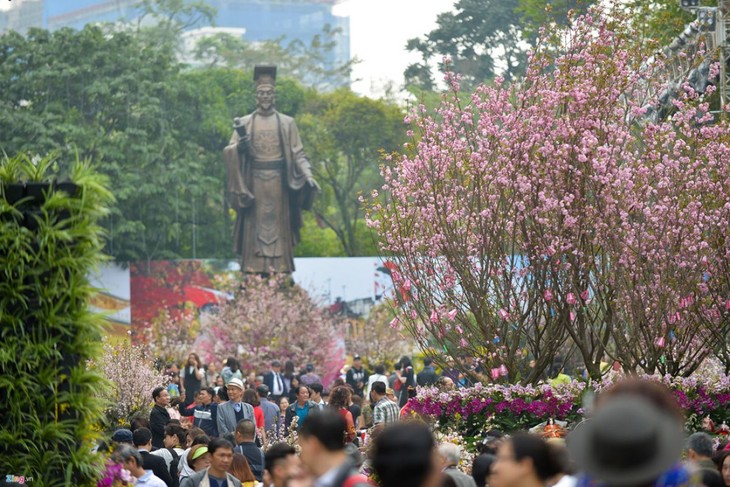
<point x="286" y="430"/>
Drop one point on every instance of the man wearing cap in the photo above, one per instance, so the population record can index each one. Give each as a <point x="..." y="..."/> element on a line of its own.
<point x="269" y="182"/>
<point x="122" y="436"/>
<point x="357" y="376"/>
<point x="233" y="411"/>
<point x="275" y="382"/>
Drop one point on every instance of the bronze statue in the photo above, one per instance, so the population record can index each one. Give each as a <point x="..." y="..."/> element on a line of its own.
<point x="269" y="182"/>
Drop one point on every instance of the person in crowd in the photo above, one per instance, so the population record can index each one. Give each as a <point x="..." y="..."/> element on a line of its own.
<point x="251" y="380"/>
<point x="281" y="463"/>
<point x="315" y="394"/>
<point x="160" y="416"/>
<point x="365" y="421"/>
<point x="310" y="377"/>
<point x="206" y="412"/>
<point x="275" y="381"/>
<point x="700" y="450"/>
<point x="565" y="476"/>
<point x="445" y="384"/>
<point x="406" y="379"/>
<point x="402" y="456"/>
<point x="378" y="376"/>
<point x="246" y="445"/>
<point x="481" y="468"/>
<point x="450" y="456"/>
<point x="173" y="388"/>
<point x="219" y="382"/>
<point x="271" y="411"/>
<point x="231" y="371"/>
<point x="211" y="374"/>
<point x="394" y="376"/>
<point x="323" y="450"/>
<point x="221" y="395"/>
<point x="221" y="457"/>
<point x="390" y="394"/>
<point x="357" y="376"/>
<point x="233" y="411"/>
<point x="142" y="439"/>
<point x="406" y="410"/>
<point x="294" y="389"/>
<point x="242" y="471"/>
<point x="301" y="407"/>
<point x="711" y="478"/>
<point x="523" y="461"/>
<point x="132" y="460"/>
<point x="281" y="422"/>
<point x="171" y="454"/>
<point x="339" y="401"/>
<point x="635" y="438"/>
<point x="198" y="458"/>
<point x="122" y="436"/>
<point x="490" y="443"/>
<point x="195" y="437"/>
<point x="250" y="396"/>
<point x="288" y="374"/>
<point x="139" y="421"/>
<point x="427" y="377"/>
<point x="722" y="460"/>
<point x="355" y="408"/>
<point x="385" y="411"/>
<point x="193" y="375"/>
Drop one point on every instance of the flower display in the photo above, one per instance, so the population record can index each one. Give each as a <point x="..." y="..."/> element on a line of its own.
<point x="472" y="411"/>
<point x="115" y="475"/>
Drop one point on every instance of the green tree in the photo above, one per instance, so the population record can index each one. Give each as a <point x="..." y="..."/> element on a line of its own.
<point x="345" y="136"/>
<point x="485" y="38"/>
<point x="295" y="59"/>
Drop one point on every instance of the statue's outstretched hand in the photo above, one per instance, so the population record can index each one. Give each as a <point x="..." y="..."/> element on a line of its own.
<point x="313" y="183"/>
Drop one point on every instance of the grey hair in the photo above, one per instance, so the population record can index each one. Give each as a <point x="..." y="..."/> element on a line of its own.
<point x="701" y="444"/>
<point x="126" y="452"/>
<point x="451" y="452"/>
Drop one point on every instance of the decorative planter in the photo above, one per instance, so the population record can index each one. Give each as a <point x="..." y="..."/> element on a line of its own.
<point x="37" y="191"/>
<point x="13" y="192"/>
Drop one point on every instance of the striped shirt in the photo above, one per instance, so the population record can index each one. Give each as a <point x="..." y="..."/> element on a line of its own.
<point x="385" y="412"/>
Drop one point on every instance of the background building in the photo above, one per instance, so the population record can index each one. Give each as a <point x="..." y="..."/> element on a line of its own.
<point x="260" y="19"/>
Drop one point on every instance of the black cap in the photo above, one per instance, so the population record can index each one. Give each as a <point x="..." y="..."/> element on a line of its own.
<point x="356" y="357"/>
<point x="264" y="74"/>
<point x="263" y="390"/>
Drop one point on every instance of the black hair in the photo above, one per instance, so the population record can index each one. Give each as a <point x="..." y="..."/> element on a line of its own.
<point x="200" y="440"/>
<point x="380" y="369"/>
<point x="218" y="443"/>
<point x="378" y="388"/>
<point x="138" y="422"/>
<point x="299" y="388"/>
<point x="176" y="430"/>
<point x="232" y="363"/>
<point x="405" y="361"/>
<point x="246" y="428"/>
<point x="327" y="426"/>
<point x="141" y="436"/>
<point x="536" y="449"/>
<point x="711" y="478"/>
<point x="427" y="361"/>
<point x="223" y="393"/>
<point x="209" y="390"/>
<point x="156" y="392"/>
<point x="277" y="451"/>
<point x="481" y="467"/>
<point x="316" y="387"/>
<point x="402" y="455"/>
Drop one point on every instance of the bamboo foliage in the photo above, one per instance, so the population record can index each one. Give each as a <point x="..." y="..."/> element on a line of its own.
<point x="50" y="240"/>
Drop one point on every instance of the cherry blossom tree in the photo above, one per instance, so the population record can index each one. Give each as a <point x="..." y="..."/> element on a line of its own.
<point x="546" y="214"/>
<point x="270" y="319"/>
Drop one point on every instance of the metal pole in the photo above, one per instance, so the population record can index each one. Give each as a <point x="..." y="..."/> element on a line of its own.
<point x="721" y="33"/>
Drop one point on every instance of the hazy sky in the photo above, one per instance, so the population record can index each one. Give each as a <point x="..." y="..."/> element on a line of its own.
<point x="379" y="30"/>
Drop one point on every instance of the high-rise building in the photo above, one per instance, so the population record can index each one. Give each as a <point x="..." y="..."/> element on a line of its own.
<point x="260" y="19"/>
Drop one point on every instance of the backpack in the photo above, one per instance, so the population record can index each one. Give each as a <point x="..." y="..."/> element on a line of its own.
<point x="174" y="464"/>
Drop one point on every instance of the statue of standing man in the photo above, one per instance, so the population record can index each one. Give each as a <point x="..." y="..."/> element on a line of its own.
<point x="269" y="182"/>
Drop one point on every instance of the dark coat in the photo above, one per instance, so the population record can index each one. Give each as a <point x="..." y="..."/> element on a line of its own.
<point x="158" y="467"/>
<point x="206" y="418"/>
<point x="269" y="381"/>
<point x="255" y="458"/>
<point x="291" y="413"/>
<point x="159" y="417"/>
<point x="427" y="377"/>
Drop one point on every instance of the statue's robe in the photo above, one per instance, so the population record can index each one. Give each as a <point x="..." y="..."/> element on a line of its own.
<point x="268" y="188"/>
